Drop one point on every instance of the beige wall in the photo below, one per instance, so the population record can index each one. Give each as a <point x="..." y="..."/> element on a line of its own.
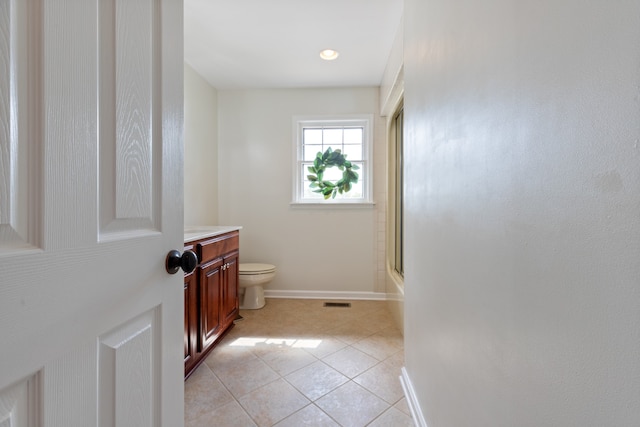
<point x="318" y="252"/>
<point x="522" y="274"/>
<point x="200" y="150"/>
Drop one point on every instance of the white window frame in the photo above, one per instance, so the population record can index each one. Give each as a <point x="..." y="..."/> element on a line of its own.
<point x="366" y="172"/>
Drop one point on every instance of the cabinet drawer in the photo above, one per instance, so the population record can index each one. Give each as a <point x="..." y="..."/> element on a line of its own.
<point x="217" y="246"/>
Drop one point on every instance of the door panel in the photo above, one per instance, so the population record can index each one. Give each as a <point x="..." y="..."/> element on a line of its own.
<point x="210" y="296"/>
<point x="230" y="289"/>
<point x="127" y="372"/>
<point x="19" y="404"/>
<point x="129" y="98"/>
<point x="90" y="204"/>
<point x="20" y="139"/>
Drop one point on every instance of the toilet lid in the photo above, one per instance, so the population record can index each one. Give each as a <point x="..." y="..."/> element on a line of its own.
<point x="256" y="268"/>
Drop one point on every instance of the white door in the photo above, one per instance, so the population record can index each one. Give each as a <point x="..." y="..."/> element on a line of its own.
<point x="91" y="324"/>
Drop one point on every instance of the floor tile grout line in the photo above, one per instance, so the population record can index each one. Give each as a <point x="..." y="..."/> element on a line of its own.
<point x="250" y="391"/>
<point x="277" y="421"/>
<point x="311" y="402"/>
<point x="235" y="399"/>
<point x="333" y="333"/>
<point x="328" y="415"/>
<point x="379" y="415"/>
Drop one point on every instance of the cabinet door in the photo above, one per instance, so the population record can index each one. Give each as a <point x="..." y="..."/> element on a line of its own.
<point x="190" y="320"/>
<point x="230" y="288"/>
<point x="210" y="297"/>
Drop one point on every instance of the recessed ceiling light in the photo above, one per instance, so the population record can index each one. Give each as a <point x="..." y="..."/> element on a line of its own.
<point x="329" y="54"/>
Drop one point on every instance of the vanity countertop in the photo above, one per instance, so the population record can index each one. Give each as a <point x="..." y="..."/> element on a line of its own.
<point x="197" y="232"/>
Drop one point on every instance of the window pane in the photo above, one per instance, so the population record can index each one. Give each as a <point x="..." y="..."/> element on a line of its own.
<point x="332" y="174"/>
<point x="354" y="193"/>
<point x="305" y="170"/>
<point x="310" y="151"/>
<point x="353" y="152"/>
<point x="357" y="189"/>
<point x="359" y="171"/>
<point x="312" y="136"/>
<point x="353" y="136"/>
<point x="309" y="194"/>
<point x="333" y="138"/>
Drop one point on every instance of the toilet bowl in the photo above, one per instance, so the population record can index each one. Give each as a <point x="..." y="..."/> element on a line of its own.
<point x="252" y="277"/>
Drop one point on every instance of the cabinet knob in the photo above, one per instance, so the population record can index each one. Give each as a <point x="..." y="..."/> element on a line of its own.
<point x="187" y="261"/>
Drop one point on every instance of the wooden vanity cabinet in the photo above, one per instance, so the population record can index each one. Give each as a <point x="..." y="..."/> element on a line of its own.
<point x="230" y="299"/>
<point x="190" y="320"/>
<point x="211" y="296"/>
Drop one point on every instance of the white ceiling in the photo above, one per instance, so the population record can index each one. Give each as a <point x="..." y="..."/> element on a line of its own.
<point x="238" y="44"/>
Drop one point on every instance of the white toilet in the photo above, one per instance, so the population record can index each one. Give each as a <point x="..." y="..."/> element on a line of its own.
<point x="252" y="277"/>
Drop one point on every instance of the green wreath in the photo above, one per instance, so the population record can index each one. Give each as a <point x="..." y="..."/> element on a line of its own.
<point x="328" y="159"/>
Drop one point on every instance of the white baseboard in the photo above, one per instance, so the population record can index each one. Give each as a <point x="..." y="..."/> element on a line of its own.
<point x="341" y="295"/>
<point x="412" y="400"/>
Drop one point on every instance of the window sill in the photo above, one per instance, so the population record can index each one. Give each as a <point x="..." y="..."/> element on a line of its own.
<point x="332" y="205"/>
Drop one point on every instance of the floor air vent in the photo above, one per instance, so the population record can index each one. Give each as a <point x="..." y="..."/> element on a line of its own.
<point x="337" y="304"/>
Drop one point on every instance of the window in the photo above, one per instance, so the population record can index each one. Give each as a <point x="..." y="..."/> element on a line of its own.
<point x="352" y="136"/>
<point x="397" y="178"/>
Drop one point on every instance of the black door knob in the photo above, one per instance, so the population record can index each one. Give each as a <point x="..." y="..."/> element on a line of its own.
<point x="187" y="261"/>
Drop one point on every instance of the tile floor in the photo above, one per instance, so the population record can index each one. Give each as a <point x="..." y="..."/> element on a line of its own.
<point x="297" y="363"/>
